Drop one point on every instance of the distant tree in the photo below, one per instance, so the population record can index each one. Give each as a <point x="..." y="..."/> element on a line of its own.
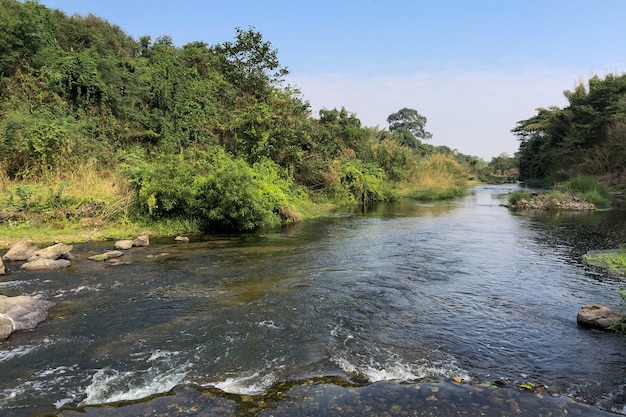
<point x="583" y="138"/>
<point x="410" y="120"/>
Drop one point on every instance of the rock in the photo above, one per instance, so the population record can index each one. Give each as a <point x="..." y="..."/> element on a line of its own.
<point x="542" y="202"/>
<point x="99" y="258"/>
<point x="40" y="264"/>
<point x="107" y="255"/>
<point x="113" y="254"/>
<point x="21" y="251"/>
<point x="181" y="239"/>
<point x="21" y="313"/>
<point x="141" y="241"/>
<point x="123" y="244"/>
<point x="2" y="269"/>
<point x="160" y="255"/>
<point x="58" y="251"/>
<point x="597" y="316"/>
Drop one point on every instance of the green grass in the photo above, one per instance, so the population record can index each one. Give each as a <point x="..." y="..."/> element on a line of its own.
<point x="613" y="261"/>
<point x="590" y="190"/>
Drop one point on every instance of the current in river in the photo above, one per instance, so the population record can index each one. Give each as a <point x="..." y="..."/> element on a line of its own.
<point x="463" y="290"/>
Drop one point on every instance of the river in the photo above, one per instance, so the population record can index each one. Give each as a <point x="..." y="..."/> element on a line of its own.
<point x="445" y="298"/>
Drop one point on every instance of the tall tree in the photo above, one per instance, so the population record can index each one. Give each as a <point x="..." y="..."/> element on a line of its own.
<point x="410" y="120"/>
<point x="249" y="62"/>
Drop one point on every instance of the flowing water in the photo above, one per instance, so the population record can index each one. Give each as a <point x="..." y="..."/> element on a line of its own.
<point x="463" y="289"/>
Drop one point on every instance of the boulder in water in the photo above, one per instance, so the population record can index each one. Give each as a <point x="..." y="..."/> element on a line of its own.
<point x="597" y="316"/>
<point x="58" y="251"/>
<point x="21" y="313"/>
<point x="42" y="264"/>
<point x="21" y="251"/>
<point x="141" y="241"/>
<point x="123" y="244"/>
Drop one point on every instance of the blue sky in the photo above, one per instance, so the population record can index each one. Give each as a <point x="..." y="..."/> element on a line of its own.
<point x="472" y="67"/>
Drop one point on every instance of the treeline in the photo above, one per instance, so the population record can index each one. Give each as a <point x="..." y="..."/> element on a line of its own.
<point x="587" y="137"/>
<point x="205" y="133"/>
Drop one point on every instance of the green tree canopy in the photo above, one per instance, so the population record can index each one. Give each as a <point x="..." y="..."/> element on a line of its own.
<point x="410" y="120"/>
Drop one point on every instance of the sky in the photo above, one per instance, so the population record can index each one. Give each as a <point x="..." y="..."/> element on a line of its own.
<point x="473" y="68"/>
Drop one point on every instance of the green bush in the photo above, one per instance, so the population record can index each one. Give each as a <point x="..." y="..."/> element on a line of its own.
<point x="516" y="196"/>
<point x="217" y="191"/>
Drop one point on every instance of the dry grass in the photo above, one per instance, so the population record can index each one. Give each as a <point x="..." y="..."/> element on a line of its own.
<point x="76" y="204"/>
<point x="438" y="177"/>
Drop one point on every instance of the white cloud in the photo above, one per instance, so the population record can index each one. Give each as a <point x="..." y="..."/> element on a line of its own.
<point x="473" y="112"/>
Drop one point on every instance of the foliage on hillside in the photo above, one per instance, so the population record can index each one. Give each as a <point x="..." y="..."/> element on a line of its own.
<point x="208" y="135"/>
<point x="587" y="137"/>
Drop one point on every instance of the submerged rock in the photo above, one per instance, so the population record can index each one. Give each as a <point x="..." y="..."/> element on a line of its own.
<point x="21" y="251"/>
<point x="597" y="316"/>
<point x="21" y="313"/>
<point x="41" y="264"/>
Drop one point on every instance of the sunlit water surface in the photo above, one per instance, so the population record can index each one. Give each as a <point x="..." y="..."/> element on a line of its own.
<point x="464" y="288"/>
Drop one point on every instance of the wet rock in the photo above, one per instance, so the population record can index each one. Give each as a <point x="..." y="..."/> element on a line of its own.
<point x="181" y="239"/>
<point x="113" y="254"/>
<point x="159" y="255"/>
<point x="21" y="313"/>
<point x="106" y="256"/>
<point x="43" y="264"/>
<point x="21" y="251"/>
<point x="597" y="316"/>
<point x="123" y="244"/>
<point x="58" y="251"/>
<point x="141" y="241"/>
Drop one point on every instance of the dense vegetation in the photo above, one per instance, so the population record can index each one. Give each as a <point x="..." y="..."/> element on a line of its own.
<point x="96" y="126"/>
<point x="587" y="137"/>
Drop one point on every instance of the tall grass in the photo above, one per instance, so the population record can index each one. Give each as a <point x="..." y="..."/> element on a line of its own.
<point x="73" y="203"/>
<point x="591" y="190"/>
<point x="438" y="177"/>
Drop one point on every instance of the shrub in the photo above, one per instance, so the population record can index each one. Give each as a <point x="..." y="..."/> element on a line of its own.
<point x="516" y="196"/>
<point x="217" y="191"/>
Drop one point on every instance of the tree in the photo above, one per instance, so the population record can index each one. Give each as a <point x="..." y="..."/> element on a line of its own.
<point x="410" y="120"/>
<point x="250" y="63"/>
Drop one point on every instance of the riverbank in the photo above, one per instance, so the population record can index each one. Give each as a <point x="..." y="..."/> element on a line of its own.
<point x="101" y="205"/>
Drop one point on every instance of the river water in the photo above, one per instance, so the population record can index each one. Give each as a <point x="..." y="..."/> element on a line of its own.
<point x="406" y="292"/>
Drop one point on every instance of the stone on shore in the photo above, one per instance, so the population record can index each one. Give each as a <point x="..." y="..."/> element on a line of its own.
<point x="21" y="251"/>
<point x="21" y="313"/>
<point x="181" y="239"/>
<point x="597" y="316"/>
<point x="58" y="251"/>
<point x="2" y="269"/>
<point x="43" y="264"/>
